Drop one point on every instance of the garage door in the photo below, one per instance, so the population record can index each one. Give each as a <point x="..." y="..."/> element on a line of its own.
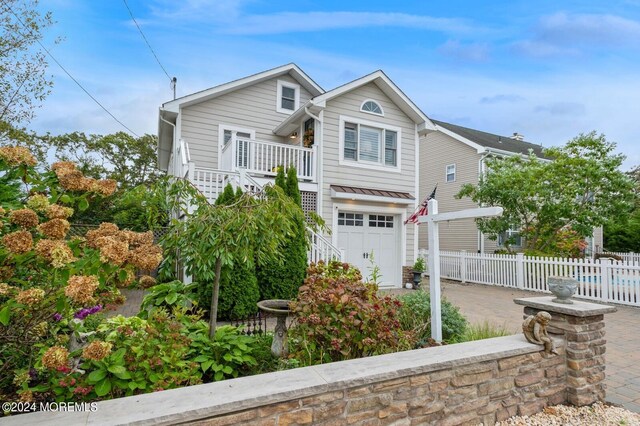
<point x="361" y="234"/>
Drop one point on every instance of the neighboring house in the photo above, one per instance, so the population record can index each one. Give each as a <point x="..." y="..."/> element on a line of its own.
<point x="455" y="155"/>
<point x="355" y="148"/>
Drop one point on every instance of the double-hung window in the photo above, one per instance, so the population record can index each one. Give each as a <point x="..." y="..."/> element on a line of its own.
<point x="511" y="236"/>
<point x="288" y="97"/>
<point x="370" y="145"/>
<point x="451" y="173"/>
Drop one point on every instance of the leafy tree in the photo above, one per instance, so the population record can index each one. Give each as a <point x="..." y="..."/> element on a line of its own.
<point x="283" y="281"/>
<point x="129" y="160"/>
<point x="622" y="236"/>
<point x="23" y="80"/>
<point x="239" y="292"/>
<point x="251" y="230"/>
<point x="577" y="189"/>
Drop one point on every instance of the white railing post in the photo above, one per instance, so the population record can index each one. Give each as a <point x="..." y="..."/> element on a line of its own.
<point x="243" y="178"/>
<point x="605" y="271"/>
<point x="463" y="266"/>
<point x="520" y="270"/>
<point x="234" y="151"/>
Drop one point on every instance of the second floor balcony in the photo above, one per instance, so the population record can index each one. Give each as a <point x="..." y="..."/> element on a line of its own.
<point x="263" y="158"/>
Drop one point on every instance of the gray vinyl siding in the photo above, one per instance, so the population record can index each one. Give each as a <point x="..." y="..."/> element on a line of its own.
<point x="334" y="173"/>
<point x="598" y="239"/>
<point x="437" y="150"/>
<point x="253" y="108"/>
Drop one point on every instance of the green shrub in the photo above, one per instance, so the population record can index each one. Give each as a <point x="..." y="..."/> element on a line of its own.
<point x="283" y="281"/>
<point x="485" y="330"/>
<point x="174" y="293"/>
<point x="415" y="316"/>
<point x="339" y="317"/>
<point x="239" y="293"/>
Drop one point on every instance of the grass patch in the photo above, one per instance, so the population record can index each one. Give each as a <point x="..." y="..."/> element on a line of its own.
<point x="485" y="330"/>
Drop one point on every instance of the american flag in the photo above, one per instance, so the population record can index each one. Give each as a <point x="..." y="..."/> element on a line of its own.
<point x="422" y="209"/>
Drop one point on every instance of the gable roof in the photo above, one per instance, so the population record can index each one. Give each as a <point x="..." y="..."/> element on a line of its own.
<point x="291" y="69"/>
<point x="389" y="88"/>
<point x="483" y="140"/>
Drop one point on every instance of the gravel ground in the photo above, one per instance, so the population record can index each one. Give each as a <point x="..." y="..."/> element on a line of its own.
<point x="596" y="414"/>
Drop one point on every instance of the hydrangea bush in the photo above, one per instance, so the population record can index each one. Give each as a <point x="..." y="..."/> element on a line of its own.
<point x="49" y="284"/>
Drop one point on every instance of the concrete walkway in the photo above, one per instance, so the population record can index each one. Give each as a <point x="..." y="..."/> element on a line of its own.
<point x="481" y="303"/>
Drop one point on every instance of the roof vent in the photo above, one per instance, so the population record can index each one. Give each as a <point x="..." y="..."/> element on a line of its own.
<point x="517" y="136"/>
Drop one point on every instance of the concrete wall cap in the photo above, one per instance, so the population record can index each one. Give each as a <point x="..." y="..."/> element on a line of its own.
<point x="579" y="308"/>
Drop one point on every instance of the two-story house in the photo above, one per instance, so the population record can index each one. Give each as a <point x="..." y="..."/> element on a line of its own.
<point x="455" y="155"/>
<point x="355" y="148"/>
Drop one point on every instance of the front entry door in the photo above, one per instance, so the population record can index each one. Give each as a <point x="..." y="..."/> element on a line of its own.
<point x="363" y="234"/>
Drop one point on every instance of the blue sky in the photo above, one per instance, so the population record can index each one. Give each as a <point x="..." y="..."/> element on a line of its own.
<point x="546" y="69"/>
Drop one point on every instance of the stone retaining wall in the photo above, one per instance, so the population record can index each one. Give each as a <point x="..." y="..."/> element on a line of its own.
<point x="468" y="383"/>
<point x="483" y="392"/>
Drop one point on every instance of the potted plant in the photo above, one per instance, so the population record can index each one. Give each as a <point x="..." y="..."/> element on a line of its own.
<point x="307" y="138"/>
<point x="418" y="269"/>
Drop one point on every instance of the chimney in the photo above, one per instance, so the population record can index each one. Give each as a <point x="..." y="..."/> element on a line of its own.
<point x="517" y="136"/>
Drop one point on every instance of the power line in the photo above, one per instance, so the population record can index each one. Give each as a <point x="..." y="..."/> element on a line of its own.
<point x="68" y="73"/>
<point x="146" y="41"/>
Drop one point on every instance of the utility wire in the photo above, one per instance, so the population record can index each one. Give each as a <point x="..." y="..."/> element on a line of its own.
<point x="67" y="72"/>
<point x="146" y="41"/>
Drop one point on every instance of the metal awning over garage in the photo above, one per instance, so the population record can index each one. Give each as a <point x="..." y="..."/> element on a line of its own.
<point x="370" y="194"/>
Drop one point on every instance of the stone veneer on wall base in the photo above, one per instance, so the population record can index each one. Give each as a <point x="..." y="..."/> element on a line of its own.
<point x="480" y="381"/>
<point x="582" y="325"/>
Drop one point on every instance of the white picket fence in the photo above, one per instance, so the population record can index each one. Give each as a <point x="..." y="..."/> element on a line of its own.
<point x="600" y="280"/>
<point x="627" y="257"/>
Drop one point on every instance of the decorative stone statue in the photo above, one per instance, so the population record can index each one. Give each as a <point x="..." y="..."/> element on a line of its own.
<point x="535" y="330"/>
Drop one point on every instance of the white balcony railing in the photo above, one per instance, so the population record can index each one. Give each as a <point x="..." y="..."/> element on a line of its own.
<point x="264" y="158"/>
<point x="211" y="183"/>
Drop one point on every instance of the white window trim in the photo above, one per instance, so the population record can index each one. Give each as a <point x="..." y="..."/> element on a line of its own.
<point x="508" y="234"/>
<point x="371" y="112"/>
<point x="370" y="165"/>
<point x="232" y="128"/>
<point x="446" y="173"/>
<point x="296" y="87"/>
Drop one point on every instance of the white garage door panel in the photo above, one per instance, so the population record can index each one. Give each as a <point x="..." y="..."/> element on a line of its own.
<point x="362" y="233"/>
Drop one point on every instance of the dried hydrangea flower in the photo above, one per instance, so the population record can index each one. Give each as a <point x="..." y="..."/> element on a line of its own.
<point x="18" y="242"/>
<point x="17" y="155"/>
<point x="105" y="187"/>
<point x="105" y="229"/>
<point x="55" y="252"/>
<point x="25" y="395"/>
<point x="6" y="273"/>
<point x="147" y="281"/>
<point x="80" y="288"/>
<point x="56" y="357"/>
<point x="72" y="180"/>
<point x="56" y="211"/>
<point x="6" y="289"/>
<point x="146" y="257"/>
<point x="137" y="239"/>
<point x="38" y="202"/>
<point x="61" y="167"/>
<point x="30" y="297"/>
<point x="97" y="350"/>
<point x="2" y="211"/>
<point x="56" y="229"/>
<point x="25" y="218"/>
<point x="113" y="251"/>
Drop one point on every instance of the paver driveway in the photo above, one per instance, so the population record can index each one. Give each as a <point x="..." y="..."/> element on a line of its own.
<point x="481" y="302"/>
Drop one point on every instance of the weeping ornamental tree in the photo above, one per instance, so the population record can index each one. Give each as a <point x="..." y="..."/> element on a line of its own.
<point x="251" y="230"/>
<point x="554" y="202"/>
<point x="282" y="281"/>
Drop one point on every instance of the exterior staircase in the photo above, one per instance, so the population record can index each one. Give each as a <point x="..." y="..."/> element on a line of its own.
<point x="211" y="183"/>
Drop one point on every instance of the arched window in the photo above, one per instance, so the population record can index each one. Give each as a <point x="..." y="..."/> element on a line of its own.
<point x="372" y="107"/>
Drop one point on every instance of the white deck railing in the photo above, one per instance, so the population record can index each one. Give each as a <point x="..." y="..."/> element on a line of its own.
<point x="211" y="183"/>
<point x="264" y="158"/>
<point x="601" y="280"/>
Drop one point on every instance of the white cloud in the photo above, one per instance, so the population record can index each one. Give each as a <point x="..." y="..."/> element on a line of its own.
<point x="295" y="22"/>
<point x="564" y="34"/>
